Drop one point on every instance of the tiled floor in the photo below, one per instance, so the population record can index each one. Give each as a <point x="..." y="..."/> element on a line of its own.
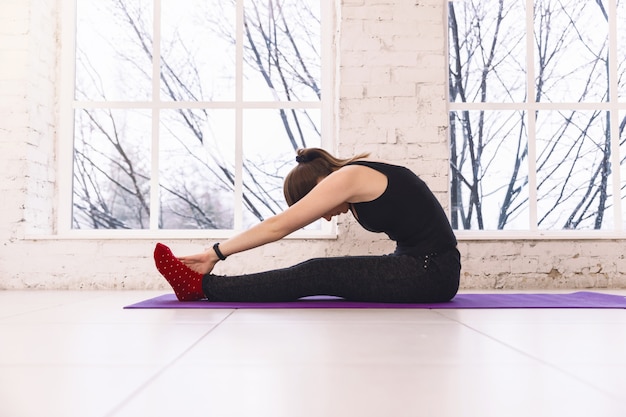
<point x="79" y="354"/>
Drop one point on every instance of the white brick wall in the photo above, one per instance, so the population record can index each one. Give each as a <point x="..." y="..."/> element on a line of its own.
<point x="14" y="56"/>
<point x="392" y="90"/>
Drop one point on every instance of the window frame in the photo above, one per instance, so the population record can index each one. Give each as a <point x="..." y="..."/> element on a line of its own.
<point x="529" y="107"/>
<point x="68" y="105"/>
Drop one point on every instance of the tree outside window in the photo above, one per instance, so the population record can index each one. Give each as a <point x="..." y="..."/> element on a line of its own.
<point x="187" y="113"/>
<point x="537" y="94"/>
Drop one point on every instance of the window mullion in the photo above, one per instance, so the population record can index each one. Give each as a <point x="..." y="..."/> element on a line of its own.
<point x="329" y="11"/>
<point x="531" y="117"/>
<point x="614" y="114"/>
<point x="238" y="198"/>
<point x="67" y="118"/>
<point x="156" y="116"/>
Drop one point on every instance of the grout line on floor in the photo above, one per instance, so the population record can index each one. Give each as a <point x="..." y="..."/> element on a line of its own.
<point x="161" y="371"/>
<point x="49" y="307"/>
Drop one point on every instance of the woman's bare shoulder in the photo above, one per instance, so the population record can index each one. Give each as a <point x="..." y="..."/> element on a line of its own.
<point x="367" y="183"/>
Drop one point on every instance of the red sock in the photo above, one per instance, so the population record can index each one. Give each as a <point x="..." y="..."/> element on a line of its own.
<point x="186" y="283"/>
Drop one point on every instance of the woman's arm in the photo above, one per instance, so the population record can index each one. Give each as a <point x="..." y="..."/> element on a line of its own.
<point x="343" y="185"/>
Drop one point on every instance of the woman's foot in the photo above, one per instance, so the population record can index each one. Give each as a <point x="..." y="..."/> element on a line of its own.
<point x="187" y="284"/>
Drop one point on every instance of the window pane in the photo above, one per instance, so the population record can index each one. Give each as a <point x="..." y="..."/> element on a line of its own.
<point x="111" y="62"/>
<point x="282" y="50"/>
<point x="573" y="170"/>
<point x="621" y="48"/>
<point x="111" y="169"/>
<point x="198" y="50"/>
<point x="479" y="73"/>
<point x="271" y="138"/>
<point x="489" y="170"/>
<point x="196" y="169"/>
<point x="571" y="51"/>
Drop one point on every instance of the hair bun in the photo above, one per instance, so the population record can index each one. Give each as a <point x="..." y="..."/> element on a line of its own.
<point x="302" y="159"/>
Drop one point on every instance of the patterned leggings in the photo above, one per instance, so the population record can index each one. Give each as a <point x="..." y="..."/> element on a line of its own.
<point x="390" y="278"/>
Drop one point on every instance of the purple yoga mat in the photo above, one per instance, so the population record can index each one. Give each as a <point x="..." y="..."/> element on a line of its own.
<point x="583" y="299"/>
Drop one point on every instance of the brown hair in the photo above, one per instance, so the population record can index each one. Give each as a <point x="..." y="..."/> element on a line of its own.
<point x="313" y="164"/>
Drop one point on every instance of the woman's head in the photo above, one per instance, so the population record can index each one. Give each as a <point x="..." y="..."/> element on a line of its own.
<point x="314" y="164"/>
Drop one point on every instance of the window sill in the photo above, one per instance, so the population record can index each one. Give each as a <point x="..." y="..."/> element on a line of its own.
<point x="171" y="235"/>
<point x="476" y="235"/>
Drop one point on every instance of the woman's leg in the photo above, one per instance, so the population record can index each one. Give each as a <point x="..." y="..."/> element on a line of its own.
<point x="359" y="278"/>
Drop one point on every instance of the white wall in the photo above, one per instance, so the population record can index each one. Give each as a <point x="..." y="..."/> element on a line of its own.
<point x="392" y="85"/>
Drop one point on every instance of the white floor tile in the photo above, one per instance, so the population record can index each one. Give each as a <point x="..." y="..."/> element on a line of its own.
<point x="340" y="343"/>
<point x="369" y="390"/>
<point x="537" y="315"/>
<point x="80" y="354"/>
<point x="108" y="307"/>
<point x="67" y="391"/>
<point x="15" y="303"/>
<point x="610" y="378"/>
<point x="563" y="343"/>
<point x="336" y="315"/>
<point x="96" y="344"/>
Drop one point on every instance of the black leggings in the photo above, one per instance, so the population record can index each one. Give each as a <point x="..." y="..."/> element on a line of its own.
<point x="391" y="279"/>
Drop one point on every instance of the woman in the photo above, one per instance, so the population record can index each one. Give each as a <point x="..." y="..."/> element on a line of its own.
<point x="425" y="266"/>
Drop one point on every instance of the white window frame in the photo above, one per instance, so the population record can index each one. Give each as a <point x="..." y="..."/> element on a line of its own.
<point x="613" y="105"/>
<point x="68" y="105"/>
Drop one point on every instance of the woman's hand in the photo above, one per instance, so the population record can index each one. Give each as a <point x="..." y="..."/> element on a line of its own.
<point x="202" y="263"/>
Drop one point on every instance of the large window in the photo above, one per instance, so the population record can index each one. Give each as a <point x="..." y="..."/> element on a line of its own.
<point x="186" y="114"/>
<point x="537" y="115"/>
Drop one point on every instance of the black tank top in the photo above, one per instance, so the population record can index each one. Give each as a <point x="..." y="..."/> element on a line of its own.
<point x="407" y="211"/>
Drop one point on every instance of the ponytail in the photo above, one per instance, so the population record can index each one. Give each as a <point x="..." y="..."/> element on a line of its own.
<point x="314" y="164"/>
